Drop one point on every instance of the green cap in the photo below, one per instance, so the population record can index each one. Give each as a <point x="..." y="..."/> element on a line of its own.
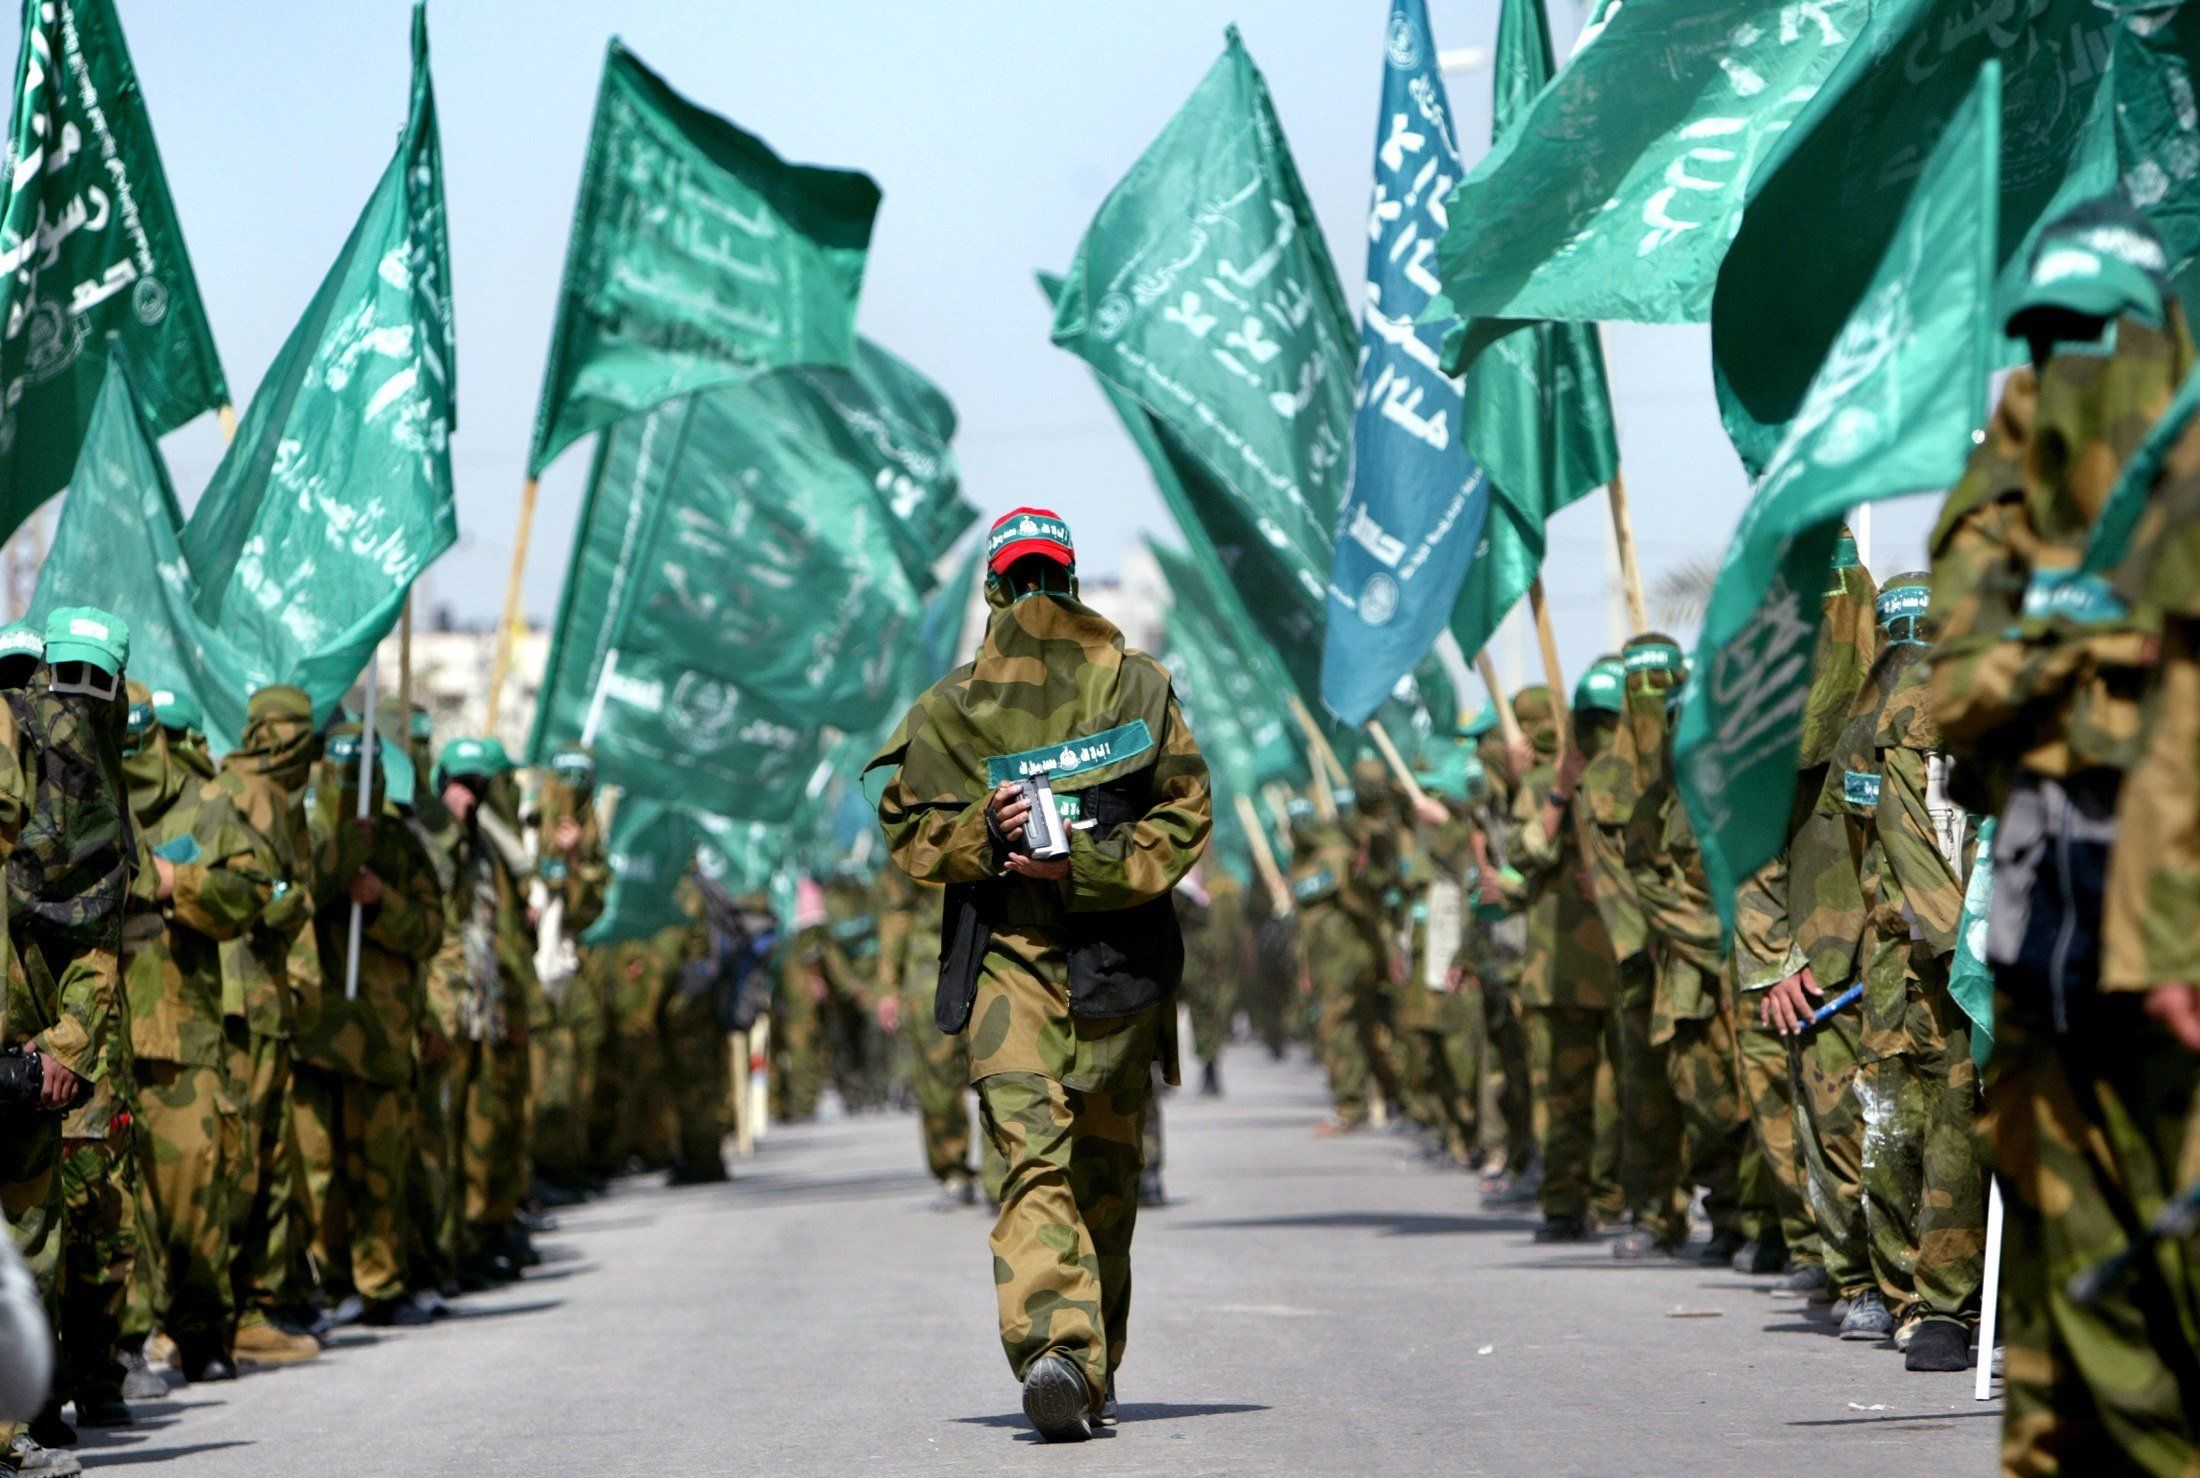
<point x="478" y="759"/>
<point x="1603" y="688"/>
<point x="1902" y="607"/>
<point x="88" y="634"/>
<point x="393" y="767"/>
<point x="1479" y="722"/>
<point x="1651" y="653"/>
<point x="141" y="720"/>
<point x="422" y="726"/>
<point x="573" y="764"/>
<point x="177" y="710"/>
<point x="21" y="639"/>
<point x="2100" y="259"/>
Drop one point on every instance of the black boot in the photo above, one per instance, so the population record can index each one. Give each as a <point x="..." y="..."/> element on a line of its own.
<point x="1939" y="1344"/>
<point x="1210" y="1079"/>
<point x="104" y="1409"/>
<point x="48" y="1429"/>
<point x="1056" y="1399"/>
<point x="1562" y="1229"/>
<point x="1721" y="1249"/>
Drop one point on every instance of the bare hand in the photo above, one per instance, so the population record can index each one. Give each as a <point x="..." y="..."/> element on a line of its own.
<point x="1052" y="870"/>
<point x="1522" y="754"/>
<point x="1492" y="897"/>
<point x="365" y="888"/>
<point x="1570" y="766"/>
<point x="2178" y="1008"/>
<point x="815" y="986"/>
<point x="567" y="834"/>
<point x="165" y="871"/>
<point x="1009" y="807"/>
<point x="57" y="1087"/>
<point x="1397" y="969"/>
<point x="460" y="800"/>
<point x="888" y="1012"/>
<point x="1431" y="810"/>
<point x="1454" y="979"/>
<point x="1788" y="1005"/>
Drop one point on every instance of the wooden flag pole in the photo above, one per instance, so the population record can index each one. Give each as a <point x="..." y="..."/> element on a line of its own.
<point x="1630" y="573"/>
<point x="1553" y="674"/>
<point x="1328" y="774"/>
<point x="1264" y="860"/>
<point x="1273" y="793"/>
<point x="1508" y="722"/>
<point x="225" y="415"/>
<point x="405" y="665"/>
<point x="508" y="626"/>
<point x="1416" y="797"/>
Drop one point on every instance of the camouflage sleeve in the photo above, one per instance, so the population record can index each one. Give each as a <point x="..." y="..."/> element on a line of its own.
<point x="15" y="784"/>
<point x="1612" y="885"/>
<point x="82" y="1040"/>
<point x="895" y="925"/>
<point x="1538" y="852"/>
<point x="1765" y="951"/>
<point x="408" y="919"/>
<point x="447" y="970"/>
<point x="937" y="844"/>
<point x="2150" y="914"/>
<point x="224" y="898"/>
<point x="1932" y="894"/>
<point x="587" y="884"/>
<point x="1145" y="860"/>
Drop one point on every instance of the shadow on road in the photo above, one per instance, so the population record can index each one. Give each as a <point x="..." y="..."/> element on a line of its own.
<point x="1131" y="1411"/>
<point x="1903" y="1419"/>
<point x="467" y="1316"/>
<point x="123" y="1457"/>
<point x="1389" y="1223"/>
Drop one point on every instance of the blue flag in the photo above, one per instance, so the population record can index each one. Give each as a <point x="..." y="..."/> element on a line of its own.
<point x="1414" y="512"/>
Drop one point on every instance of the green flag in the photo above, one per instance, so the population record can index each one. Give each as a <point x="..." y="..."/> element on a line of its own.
<point x="698" y="257"/>
<point x="659" y="727"/>
<point x="2089" y="106"/>
<point x="1204" y="295"/>
<point x="1892" y="411"/>
<point x="652" y="844"/>
<point x="770" y="563"/>
<point x="337" y="490"/>
<point x="1238" y="712"/>
<point x="1615" y="195"/>
<point x="1538" y="416"/>
<point x="116" y="546"/>
<point x="92" y="254"/>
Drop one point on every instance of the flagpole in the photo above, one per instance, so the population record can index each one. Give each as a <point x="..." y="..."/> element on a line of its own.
<point x="226" y="415"/>
<point x="405" y="663"/>
<point x="1263" y="859"/>
<point x="1325" y="759"/>
<point x="1623" y="529"/>
<point x="1415" y="796"/>
<point x="366" y="820"/>
<point x="1508" y="723"/>
<point x="1553" y="674"/>
<point x="507" y="627"/>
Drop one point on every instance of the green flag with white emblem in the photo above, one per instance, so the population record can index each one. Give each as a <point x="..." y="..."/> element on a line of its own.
<point x="1204" y="295"/>
<point x="91" y="254"/>
<point x="698" y="257"/>
<point x="1892" y="411"/>
<point x="337" y="490"/>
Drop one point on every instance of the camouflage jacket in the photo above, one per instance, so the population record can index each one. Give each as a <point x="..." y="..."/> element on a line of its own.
<point x="225" y="876"/>
<point x="1919" y="898"/>
<point x="481" y="986"/>
<point x="1052" y="689"/>
<point x="1605" y="807"/>
<point x="2017" y="688"/>
<point x="374" y="1036"/>
<point x="255" y="967"/>
<point x="1569" y="960"/>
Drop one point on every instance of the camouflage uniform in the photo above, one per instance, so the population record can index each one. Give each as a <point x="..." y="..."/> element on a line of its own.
<point x="1496" y="945"/>
<point x="264" y="781"/>
<point x="481" y="988"/>
<point x="909" y="950"/>
<point x="1442" y="1041"/>
<point x="636" y="1121"/>
<point x="2076" y="731"/>
<point x="697" y="1051"/>
<point x="355" y="1066"/>
<point x="564" y="1039"/>
<point x="1215" y="974"/>
<point x="1569" y="980"/>
<point x="1062" y="1095"/>
<point x="190" y="1116"/>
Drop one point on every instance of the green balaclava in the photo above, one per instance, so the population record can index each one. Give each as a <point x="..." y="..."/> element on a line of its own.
<point x="155" y="779"/>
<point x="1848" y="639"/>
<point x="71" y="866"/>
<point x="280" y="741"/>
<point x="1599" y="698"/>
<point x="344" y="761"/>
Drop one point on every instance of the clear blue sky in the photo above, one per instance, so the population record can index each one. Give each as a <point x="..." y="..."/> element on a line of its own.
<point x="995" y="130"/>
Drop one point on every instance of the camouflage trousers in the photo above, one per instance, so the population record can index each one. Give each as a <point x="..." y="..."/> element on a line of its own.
<point x="1568" y="1046"/>
<point x="1924" y="1190"/>
<point x="633" y="1118"/>
<point x="99" y="1251"/>
<point x="1441" y="1073"/>
<point x="798" y="1063"/>
<point x="266" y="1228"/>
<point x="1069" y="1203"/>
<point x="699" y="1067"/>
<point x="1506" y="1106"/>
<point x="192" y="1127"/>
<point x="940" y="1074"/>
<point x="1357" y="1044"/>
<point x="1716" y="1149"/>
<point x="1767" y="1086"/>
<point x="488" y="1134"/>
<point x="30" y="1198"/>
<point x="1825" y="1065"/>
<point x="2090" y="1135"/>
<point x="1653" y="1173"/>
<point x="356" y="1141"/>
<point x="1212" y="998"/>
<point x="559" y="1120"/>
<point x="1270" y="993"/>
<point x="431" y="1196"/>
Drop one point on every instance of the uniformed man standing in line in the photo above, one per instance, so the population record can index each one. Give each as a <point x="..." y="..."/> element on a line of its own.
<point x="573" y="873"/>
<point x="1060" y="964"/>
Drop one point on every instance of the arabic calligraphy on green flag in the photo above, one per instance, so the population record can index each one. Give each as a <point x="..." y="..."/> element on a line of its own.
<point x="337" y="490"/>
<point x="1204" y="296"/>
<point x="1892" y="411"/>
<point x="698" y="257"/>
<point x="91" y="252"/>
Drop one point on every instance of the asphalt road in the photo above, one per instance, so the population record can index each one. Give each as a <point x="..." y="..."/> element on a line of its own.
<point x="1304" y="1306"/>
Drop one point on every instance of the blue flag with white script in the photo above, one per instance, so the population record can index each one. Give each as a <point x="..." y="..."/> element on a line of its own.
<point x="1414" y="512"/>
